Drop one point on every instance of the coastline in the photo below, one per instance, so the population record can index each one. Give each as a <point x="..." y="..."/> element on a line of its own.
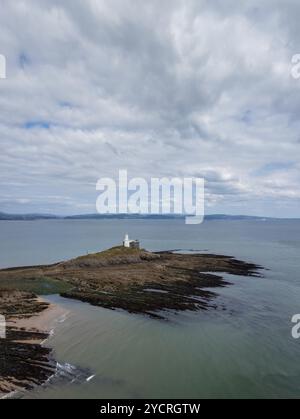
<point x="44" y="322"/>
<point x="26" y="335"/>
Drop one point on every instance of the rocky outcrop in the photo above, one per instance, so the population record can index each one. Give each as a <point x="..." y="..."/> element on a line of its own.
<point x="141" y="282"/>
<point x="24" y="363"/>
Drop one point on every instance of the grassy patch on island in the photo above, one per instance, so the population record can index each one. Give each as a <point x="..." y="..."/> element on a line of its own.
<point x="39" y="286"/>
<point x="114" y="252"/>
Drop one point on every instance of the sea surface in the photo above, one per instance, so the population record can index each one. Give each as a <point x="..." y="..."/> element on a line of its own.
<point x="242" y="349"/>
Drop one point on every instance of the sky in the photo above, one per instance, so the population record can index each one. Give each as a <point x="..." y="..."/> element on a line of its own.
<point x="160" y="88"/>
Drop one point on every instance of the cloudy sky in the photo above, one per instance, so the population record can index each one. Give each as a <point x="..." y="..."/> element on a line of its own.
<point x="160" y="88"/>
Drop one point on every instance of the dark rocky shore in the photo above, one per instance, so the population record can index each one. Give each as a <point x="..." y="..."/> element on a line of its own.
<point x="24" y="363"/>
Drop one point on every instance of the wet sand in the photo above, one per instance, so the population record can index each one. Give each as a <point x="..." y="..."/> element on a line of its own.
<point x="43" y="322"/>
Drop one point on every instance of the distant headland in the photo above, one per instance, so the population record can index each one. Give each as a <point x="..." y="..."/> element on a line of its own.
<point x="32" y="217"/>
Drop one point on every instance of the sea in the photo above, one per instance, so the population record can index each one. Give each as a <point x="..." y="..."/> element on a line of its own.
<point x="244" y="348"/>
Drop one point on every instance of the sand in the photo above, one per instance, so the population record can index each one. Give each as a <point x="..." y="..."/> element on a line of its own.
<point x="44" y="322"/>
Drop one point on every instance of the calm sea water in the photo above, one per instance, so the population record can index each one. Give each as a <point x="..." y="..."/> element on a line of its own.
<point x="245" y="350"/>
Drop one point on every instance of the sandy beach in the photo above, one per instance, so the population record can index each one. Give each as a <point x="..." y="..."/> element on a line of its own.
<point x="44" y="322"/>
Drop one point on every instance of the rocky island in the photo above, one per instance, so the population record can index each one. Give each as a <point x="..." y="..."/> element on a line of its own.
<point x="127" y="278"/>
<point x="134" y="279"/>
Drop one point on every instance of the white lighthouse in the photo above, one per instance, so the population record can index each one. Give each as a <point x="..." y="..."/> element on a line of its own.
<point x="130" y="243"/>
<point x="126" y="241"/>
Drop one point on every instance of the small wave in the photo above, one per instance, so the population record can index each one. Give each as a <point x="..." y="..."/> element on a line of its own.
<point x="60" y="320"/>
<point x="69" y="373"/>
<point x="63" y="318"/>
<point x="51" y="333"/>
<point x="11" y="395"/>
<point x="64" y="373"/>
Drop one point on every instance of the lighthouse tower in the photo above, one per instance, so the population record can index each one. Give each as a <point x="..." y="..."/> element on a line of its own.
<point x="126" y="241"/>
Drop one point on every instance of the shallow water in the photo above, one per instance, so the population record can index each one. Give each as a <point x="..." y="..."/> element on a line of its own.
<point x="242" y="349"/>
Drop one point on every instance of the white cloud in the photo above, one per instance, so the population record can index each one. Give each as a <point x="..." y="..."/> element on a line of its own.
<point x="173" y="88"/>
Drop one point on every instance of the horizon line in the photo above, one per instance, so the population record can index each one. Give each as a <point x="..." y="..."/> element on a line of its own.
<point x="175" y="215"/>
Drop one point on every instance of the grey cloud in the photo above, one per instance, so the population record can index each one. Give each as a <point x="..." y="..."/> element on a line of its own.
<point x="160" y="88"/>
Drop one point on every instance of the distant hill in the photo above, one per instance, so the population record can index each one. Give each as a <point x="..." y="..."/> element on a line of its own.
<point x="123" y="216"/>
<point x="160" y="217"/>
<point x="236" y="217"/>
<point x="26" y="217"/>
<point x="33" y="217"/>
